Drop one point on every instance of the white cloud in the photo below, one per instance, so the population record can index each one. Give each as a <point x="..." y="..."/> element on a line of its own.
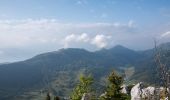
<point x="165" y="34"/>
<point x="83" y="37"/>
<point x="75" y="38"/>
<point x="69" y="39"/>
<point x="42" y="35"/>
<point x="51" y="32"/>
<point x="100" y="40"/>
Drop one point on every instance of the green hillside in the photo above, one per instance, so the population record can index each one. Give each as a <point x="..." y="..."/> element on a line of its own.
<point x="58" y="71"/>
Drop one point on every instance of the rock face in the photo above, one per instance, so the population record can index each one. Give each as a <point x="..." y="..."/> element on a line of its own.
<point x="136" y="91"/>
<point x="148" y="93"/>
<point x="124" y="89"/>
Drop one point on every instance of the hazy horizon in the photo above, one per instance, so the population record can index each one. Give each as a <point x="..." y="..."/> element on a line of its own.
<point x="29" y="27"/>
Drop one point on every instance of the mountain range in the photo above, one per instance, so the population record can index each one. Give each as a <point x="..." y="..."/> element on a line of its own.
<point x="58" y="71"/>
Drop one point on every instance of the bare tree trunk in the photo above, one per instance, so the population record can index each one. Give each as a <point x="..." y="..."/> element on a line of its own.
<point x="163" y="70"/>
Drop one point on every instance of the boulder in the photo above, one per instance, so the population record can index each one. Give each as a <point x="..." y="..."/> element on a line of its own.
<point x="148" y="93"/>
<point x="136" y="91"/>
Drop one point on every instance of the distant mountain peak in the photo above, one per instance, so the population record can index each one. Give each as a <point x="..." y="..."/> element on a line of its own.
<point x="72" y="50"/>
<point x="119" y="47"/>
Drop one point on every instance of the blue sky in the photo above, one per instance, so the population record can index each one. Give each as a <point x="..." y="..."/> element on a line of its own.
<point x="30" y="27"/>
<point x="86" y="10"/>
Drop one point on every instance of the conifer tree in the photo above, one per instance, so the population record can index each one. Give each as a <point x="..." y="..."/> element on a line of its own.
<point x="113" y="90"/>
<point x="84" y="86"/>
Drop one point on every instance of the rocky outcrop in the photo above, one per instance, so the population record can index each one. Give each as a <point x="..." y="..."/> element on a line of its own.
<point x="136" y="91"/>
<point x="148" y="93"/>
<point x="139" y="92"/>
<point x="124" y="89"/>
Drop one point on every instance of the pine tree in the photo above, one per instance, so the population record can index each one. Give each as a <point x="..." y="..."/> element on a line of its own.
<point x="84" y="86"/>
<point x="113" y="90"/>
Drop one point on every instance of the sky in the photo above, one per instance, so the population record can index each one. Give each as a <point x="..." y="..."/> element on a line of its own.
<point x="31" y="27"/>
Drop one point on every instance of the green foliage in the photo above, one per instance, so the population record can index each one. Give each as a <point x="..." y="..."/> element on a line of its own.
<point x="62" y="67"/>
<point x="84" y="86"/>
<point x="113" y="90"/>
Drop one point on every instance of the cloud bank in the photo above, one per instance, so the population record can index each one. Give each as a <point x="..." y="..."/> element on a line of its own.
<point x="99" y="40"/>
<point x="28" y="37"/>
<point x="29" y="32"/>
